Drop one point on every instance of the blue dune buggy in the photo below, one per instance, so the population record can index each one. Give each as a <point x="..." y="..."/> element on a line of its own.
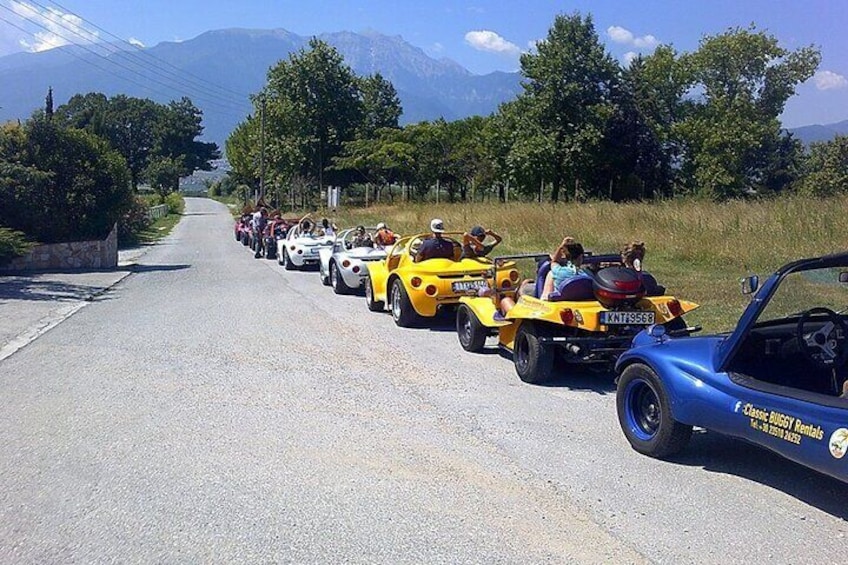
<point x="779" y="380"/>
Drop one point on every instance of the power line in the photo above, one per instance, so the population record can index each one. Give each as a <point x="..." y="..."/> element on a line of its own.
<point x="202" y="82"/>
<point x="239" y="95"/>
<point x="226" y="105"/>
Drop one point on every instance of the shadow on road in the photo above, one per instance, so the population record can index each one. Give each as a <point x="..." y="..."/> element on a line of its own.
<point x="722" y="454"/>
<point x="28" y="289"/>
<point x="154" y="268"/>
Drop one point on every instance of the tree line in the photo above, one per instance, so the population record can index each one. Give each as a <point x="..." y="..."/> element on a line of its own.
<point x="72" y="173"/>
<point x="704" y="123"/>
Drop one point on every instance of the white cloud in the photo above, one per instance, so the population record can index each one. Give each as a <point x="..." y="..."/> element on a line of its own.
<point x="437" y="47"/>
<point x="55" y="28"/>
<point x="136" y="42"/>
<point x="828" y="80"/>
<point x="485" y="40"/>
<point x="622" y="35"/>
<point x="628" y="57"/>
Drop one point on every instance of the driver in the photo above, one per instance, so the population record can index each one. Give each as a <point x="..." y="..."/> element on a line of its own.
<point x="435" y="246"/>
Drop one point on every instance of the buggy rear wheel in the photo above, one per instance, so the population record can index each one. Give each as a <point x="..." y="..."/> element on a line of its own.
<point x="402" y="311"/>
<point x="336" y="280"/>
<point x="534" y="362"/>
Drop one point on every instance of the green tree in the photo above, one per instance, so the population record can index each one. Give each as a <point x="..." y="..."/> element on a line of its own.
<point x="380" y="105"/>
<point x="313" y="106"/>
<point x="825" y="168"/>
<point x="175" y="140"/>
<point x="744" y="78"/>
<point x="569" y="83"/>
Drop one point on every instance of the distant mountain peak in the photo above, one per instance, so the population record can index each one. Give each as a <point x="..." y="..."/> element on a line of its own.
<point x="238" y="59"/>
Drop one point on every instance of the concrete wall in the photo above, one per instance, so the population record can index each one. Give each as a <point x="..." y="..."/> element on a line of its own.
<point x="73" y="255"/>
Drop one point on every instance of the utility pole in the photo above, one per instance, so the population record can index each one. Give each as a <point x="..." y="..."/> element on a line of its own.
<point x="262" y="154"/>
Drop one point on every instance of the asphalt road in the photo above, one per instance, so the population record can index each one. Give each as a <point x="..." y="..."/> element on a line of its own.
<point x="215" y="408"/>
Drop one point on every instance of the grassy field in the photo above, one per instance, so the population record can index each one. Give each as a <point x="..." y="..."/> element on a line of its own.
<point x="699" y="250"/>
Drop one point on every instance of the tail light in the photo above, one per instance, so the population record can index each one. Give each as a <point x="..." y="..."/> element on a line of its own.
<point x="628" y="286"/>
<point x="356" y="269"/>
<point x="300" y="251"/>
<point x="675" y="308"/>
<point x="415" y="282"/>
<point x="430" y="290"/>
<point x="292" y="247"/>
<point x="513" y="276"/>
<point x="345" y="263"/>
<point x="506" y="284"/>
<point x="567" y="316"/>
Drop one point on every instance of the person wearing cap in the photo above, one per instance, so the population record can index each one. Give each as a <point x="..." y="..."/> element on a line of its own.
<point x="472" y="242"/>
<point x="384" y="236"/>
<point x="436" y="246"/>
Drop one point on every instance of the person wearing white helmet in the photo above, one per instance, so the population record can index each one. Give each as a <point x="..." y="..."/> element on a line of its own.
<point x="384" y="236"/>
<point x="436" y="246"/>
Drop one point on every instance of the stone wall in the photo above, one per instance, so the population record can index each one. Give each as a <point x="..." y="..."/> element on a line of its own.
<point x="101" y="254"/>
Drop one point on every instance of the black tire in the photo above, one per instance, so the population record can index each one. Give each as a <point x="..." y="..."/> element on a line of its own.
<point x="534" y="362"/>
<point x="373" y="305"/>
<point x="336" y="280"/>
<point x="472" y="334"/>
<point x="287" y="262"/>
<point x="644" y="414"/>
<point x="403" y="313"/>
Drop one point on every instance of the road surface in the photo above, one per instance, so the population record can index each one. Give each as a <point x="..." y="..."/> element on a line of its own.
<point x="212" y="407"/>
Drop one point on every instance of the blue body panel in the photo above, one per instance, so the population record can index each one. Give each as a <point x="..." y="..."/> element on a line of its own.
<point x="702" y="395"/>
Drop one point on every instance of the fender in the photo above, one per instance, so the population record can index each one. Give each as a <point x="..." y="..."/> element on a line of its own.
<point x="484" y="308"/>
<point x="378" y="273"/>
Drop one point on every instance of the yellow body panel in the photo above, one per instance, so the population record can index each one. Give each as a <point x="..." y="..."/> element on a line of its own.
<point x="586" y="314"/>
<point x="437" y="274"/>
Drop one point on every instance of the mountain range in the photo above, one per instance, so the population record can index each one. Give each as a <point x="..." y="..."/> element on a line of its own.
<point x="219" y="70"/>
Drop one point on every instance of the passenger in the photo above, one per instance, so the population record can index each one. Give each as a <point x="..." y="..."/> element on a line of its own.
<point x="328" y="229"/>
<point x="384" y="237"/>
<point x="472" y="242"/>
<point x="306" y="226"/>
<point x="362" y="238"/>
<point x="565" y="263"/>
<point x="633" y="254"/>
<point x="436" y="246"/>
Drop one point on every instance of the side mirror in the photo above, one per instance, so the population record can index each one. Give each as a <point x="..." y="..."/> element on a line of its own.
<point x="750" y="284"/>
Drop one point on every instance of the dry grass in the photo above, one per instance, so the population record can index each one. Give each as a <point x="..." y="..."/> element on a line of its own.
<point x="697" y="249"/>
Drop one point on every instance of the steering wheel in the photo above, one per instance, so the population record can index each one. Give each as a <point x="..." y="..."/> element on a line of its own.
<point x="826" y="347"/>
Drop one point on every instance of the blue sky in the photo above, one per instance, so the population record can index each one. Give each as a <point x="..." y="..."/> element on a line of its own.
<point x="482" y="36"/>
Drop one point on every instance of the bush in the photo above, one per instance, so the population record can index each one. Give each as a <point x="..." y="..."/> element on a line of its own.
<point x="175" y="202"/>
<point x="12" y="244"/>
<point x="60" y="184"/>
<point x="134" y="221"/>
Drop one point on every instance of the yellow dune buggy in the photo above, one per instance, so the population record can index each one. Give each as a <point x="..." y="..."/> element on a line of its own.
<point x="416" y="290"/>
<point x="591" y="320"/>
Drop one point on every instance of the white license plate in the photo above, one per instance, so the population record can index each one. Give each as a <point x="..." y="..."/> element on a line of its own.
<point x="466" y="286"/>
<point x="627" y="318"/>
